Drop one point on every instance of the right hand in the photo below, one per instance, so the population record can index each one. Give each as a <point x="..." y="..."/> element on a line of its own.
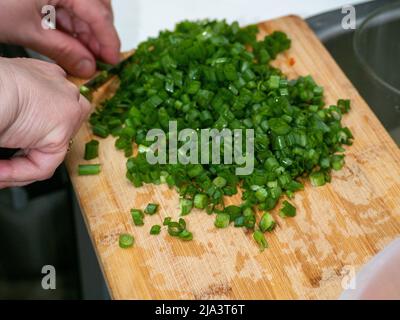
<point x="40" y="112"/>
<point x="85" y="31"/>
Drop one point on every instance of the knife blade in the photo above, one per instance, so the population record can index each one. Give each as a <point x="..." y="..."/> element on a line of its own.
<point x="106" y="72"/>
<point x="7" y="153"/>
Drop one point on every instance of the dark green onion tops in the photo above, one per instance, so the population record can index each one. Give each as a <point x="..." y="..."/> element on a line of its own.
<point x="91" y="150"/>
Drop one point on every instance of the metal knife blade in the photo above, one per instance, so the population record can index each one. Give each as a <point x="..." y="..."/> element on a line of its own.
<point x="6" y="153"/>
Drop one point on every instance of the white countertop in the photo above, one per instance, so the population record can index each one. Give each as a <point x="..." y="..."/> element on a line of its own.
<point x="136" y="20"/>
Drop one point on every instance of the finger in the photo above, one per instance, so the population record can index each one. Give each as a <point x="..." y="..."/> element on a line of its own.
<point x="108" y="5"/>
<point x="96" y="14"/>
<point x="35" y="166"/>
<point x="64" y="21"/>
<point x="4" y="185"/>
<point x="86" y="109"/>
<point x="78" y="29"/>
<point x="68" y="52"/>
<point x="85" y="35"/>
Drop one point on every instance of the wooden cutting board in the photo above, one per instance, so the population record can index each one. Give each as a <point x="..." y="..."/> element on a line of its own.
<point x="338" y="227"/>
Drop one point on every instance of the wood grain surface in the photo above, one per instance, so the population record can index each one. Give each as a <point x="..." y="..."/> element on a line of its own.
<point x="338" y="227"/>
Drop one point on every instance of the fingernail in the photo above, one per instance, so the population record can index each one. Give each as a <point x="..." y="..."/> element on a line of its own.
<point x="85" y="68"/>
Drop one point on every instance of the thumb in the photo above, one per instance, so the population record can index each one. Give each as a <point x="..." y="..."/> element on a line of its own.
<point x="67" y="51"/>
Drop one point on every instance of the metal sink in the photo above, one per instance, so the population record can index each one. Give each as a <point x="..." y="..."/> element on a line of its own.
<point x="339" y="43"/>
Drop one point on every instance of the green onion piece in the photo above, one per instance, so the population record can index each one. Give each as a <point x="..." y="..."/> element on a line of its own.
<point x="273" y="82"/>
<point x="317" y="179"/>
<point x="337" y="162"/>
<point x="88" y="169"/>
<point x="182" y="223"/>
<point x="239" y="222"/>
<point x="248" y="212"/>
<point x="126" y="240"/>
<point x="261" y="194"/>
<point x="186" y="206"/>
<point x="259" y="237"/>
<point x="137" y="217"/>
<point x="91" y="150"/>
<point x="222" y="220"/>
<point x="250" y="221"/>
<point x="288" y="210"/>
<point x="100" y="130"/>
<point x="156" y="229"/>
<point x="151" y="208"/>
<point x="267" y="223"/>
<point x="233" y="211"/>
<point x="174" y="229"/>
<point x="219" y="182"/>
<point x="167" y="221"/>
<point x="200" y="201"/>
<point x="185" y="235"/>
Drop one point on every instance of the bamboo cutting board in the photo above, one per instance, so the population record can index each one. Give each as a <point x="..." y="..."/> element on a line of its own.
<point x="338" y="227"/>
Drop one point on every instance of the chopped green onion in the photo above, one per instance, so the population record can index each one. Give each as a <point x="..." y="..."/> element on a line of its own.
<point x="126" y="240"/>
<point x="155" y="230"/>
<point x="250" y="221"/>
<point x="288" y="210"/>
<point x="233" y="211"/>
<point x="100" y="130"/>
<point x="213" y="74"/>
<point x="174" y="229"/>
<point x="337" y="162"/>
<point x="219" y="182"/>
<point x="317" y="179"/>
<point x="260" y="239"/>
<point x="137" y="217"/>
<point x="91" y="150"/>
<point x="88" y="169"/>
<point x="151" y="208"/>
<point x="222" y="220"/>
<point x="267" y="223"/>
<point x="182" y="223"/>
<point x="200" y="201"/>
<point x="186" y="206"/>
<point x="185" y="235"/>
<point x="167" y="221"/>
<point x="239" y="221"/>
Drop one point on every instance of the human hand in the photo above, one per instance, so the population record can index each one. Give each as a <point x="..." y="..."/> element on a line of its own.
<point x="85" y="31"/>
<point x="40" y="112"/>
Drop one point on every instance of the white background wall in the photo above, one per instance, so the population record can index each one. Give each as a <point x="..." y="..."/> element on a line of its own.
<point x="138" y="19"/>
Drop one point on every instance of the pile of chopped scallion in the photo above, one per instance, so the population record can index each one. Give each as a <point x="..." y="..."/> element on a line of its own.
<point x="211" y="74"/>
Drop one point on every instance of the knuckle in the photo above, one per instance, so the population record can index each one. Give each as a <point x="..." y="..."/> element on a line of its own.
<point x="76" y="112"/>
<point x="73" y="90"/>
<point x="56" y="68"/>
<point x="86" y="107"/>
